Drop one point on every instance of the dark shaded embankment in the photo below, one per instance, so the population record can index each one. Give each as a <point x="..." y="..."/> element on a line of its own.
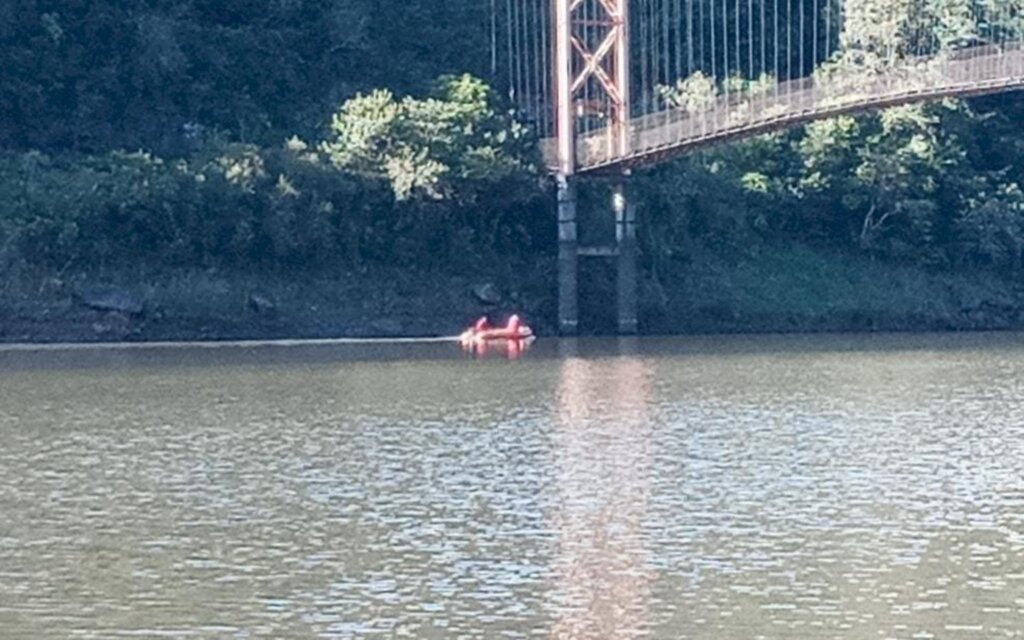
<point x="772" y="289"/>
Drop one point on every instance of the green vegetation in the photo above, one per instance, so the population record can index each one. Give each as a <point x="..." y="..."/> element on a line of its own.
<point x="418" y="181"/>
<point x="195" y="152"/>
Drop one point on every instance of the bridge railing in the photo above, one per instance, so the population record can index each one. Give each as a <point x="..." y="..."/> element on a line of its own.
<point x="974" y="70"/>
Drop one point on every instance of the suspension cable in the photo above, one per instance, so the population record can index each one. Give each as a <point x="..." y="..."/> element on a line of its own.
<point x="713" y="27"/>
<point x="545" y="55"/>
<point x="764" y="43"/>
<point x="778" y="75"/>
<point x="789" y="40"/>
<point x="750" y="39"/>
<point x="494" y="39"/>
<point x="666" y="31"/>
<point x="510" y="49"/>
<point x="803" y="38"/>
<point x="703" y="39"/>
<point x="689" y="37"/>
<point x="814" y="37"/>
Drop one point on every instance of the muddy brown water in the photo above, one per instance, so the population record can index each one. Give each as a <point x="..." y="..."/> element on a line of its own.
<point x="735" y="487"/>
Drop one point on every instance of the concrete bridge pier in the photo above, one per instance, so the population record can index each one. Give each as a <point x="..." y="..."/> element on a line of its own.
<point x="568" y="258"/>
<point x="625" y="240"/>
<point x="623" y="251"/>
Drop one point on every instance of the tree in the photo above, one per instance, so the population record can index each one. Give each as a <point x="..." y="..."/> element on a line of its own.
<point x="448" y="146"/>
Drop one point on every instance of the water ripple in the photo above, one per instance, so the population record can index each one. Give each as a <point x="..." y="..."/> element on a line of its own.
<point x="788" y="488"/>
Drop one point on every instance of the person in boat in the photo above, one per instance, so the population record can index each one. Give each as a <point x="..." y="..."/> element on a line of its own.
<point x="514" y="327"/>
<point x="482" y="331"/>
<point x="470" y="335"/>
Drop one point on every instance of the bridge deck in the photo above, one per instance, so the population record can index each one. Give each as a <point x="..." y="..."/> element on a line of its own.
<point x="657" y="136"/>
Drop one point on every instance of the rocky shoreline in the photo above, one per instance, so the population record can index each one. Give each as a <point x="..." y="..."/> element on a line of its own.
<point x="110" y="313"/>
<point x="791" y="290"/>
<point x="123" y="319"/>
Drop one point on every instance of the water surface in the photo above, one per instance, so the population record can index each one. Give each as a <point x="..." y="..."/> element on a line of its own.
<point x="744" y="487"/>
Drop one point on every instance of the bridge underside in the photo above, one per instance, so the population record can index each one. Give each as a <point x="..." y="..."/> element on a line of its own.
<point x="655" y="137"/>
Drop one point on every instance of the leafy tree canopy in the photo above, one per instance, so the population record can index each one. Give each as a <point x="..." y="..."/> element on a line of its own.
<point x="445" y="146"/>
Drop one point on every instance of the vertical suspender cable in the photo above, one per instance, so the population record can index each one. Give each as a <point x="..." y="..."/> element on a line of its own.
<point x="775" y="30"/>
<point x="582" y="32"/>
<point x="764" y="61"/>
<point x="517" y="89"/>
<point x="689" y="37"/>
<point x="814" y="36"/>
<point x="840" y="24"/>
<point x="887" y="48"/>
<point x="725" y="44"/>
<point x="524" y="56"/>
<point x="651" y="50"/>
<point x="667" y="19"/>
<point x="922" y="32"/>
<point x="585" y="36"/>
<point x="542" y="67"/>
<point x="654" y="68"/>
<point x="736" y="38"/>
<point x="703" y="40"/>
<point x="510" y="51"/>
<point x="997" y="30"/>
<point x="601" y="17"/>
<point x="545" y="54"/>
<point x="912" y="34"/>
<point x="750" y="39"/>
<point x="531" y="60"/>
<point x="656" y="58"/>
<point x="607" y="104"/>
<point x="803" y="38"/>
<point x="674" y="34"/>
<point x="524" y="59"/>
<point x="537" y="71"/>
<point x="828" y="29"/>
<point x="654" y="33"/>
<point x="1020" y="38"/>
<point x="657" y="55"/>
<point x="666" y="49"/>
<point x="680" y="66"/>
<point x="640" y="40"/>
<point x="713" y="27"/>
<point x="605" y="98"/>
<point x="789" y="40"/>
<point x="494" y="40"/>
<point x="742" y="37"/>
<point x="764" y="44"/>
<point x="643" y="55"/>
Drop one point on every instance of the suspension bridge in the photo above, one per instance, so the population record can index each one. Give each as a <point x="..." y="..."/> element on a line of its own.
<point x="613" y="85"/>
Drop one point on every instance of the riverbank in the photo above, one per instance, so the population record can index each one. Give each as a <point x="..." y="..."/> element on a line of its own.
<point x="796" y="288"/>
<point x="208" y="305"/>
<point x="772" y="289"/>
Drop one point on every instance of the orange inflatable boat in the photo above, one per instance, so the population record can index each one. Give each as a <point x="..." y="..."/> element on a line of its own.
<point x="482" y="332"/>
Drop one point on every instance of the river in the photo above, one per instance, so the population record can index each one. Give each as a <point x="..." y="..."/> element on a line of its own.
<point x="721" y="487"/>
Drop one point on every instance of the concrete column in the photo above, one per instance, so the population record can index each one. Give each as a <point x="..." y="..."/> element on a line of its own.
<point x="625" y="236"/>
<point x="568" y="258"/>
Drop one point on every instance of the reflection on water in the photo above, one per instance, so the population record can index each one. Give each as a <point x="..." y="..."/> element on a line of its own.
<point x="602" y="481"/>
<point x="510" y="349"/>
<point x="824" y="487"/>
